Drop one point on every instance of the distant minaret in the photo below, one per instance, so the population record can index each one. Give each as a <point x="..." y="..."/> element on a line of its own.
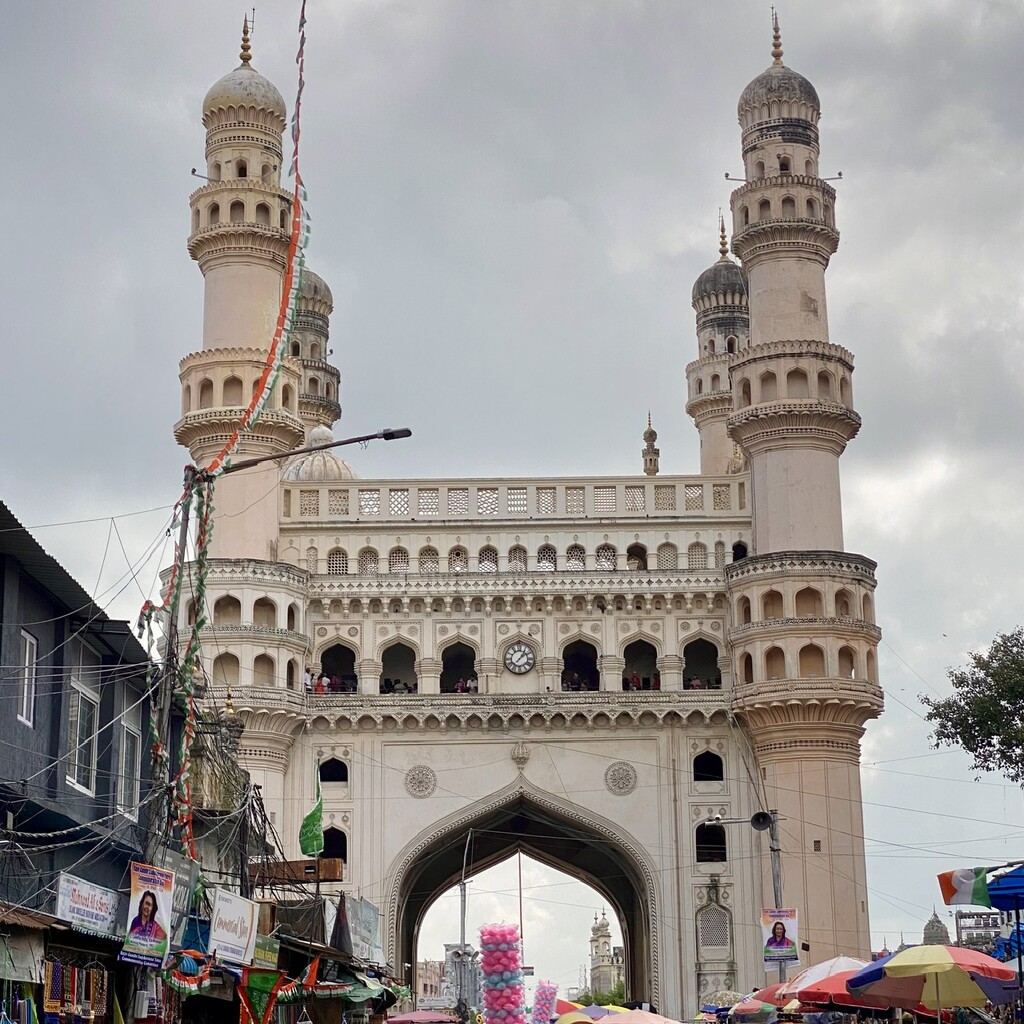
<point x="719" y="299"/>
<point x="650" y="453"/>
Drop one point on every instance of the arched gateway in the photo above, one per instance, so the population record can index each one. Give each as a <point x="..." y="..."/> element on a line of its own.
<point x="550" y="831"/>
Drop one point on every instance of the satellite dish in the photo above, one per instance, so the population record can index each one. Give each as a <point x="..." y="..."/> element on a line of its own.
<point x="761" y="820"/>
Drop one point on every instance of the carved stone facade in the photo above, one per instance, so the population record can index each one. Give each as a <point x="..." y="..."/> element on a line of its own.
<point x="612" y="659"/>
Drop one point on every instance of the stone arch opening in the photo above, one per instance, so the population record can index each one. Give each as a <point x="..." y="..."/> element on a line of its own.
<point x="700" y="665"/>
<point x="339" y="660"/>
<point x="636" y="557"/>
<point x="641" y="659"/>
<point x="458" y="661"/>
<point x="580" y="670"/>
<point x="591" y="850"/>
<point x="398" y="669"/>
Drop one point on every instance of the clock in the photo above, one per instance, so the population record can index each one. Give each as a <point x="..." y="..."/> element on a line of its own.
<point x="519" y="658"/>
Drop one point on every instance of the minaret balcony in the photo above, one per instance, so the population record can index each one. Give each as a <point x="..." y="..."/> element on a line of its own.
<point x="212" y="188"/>
<point x="319" y="405"/>
<point x="805" y="626"/>
<point x="794" y="423"/>
<point x="244" y="237"/>
<point x="205" y="431"/>
<point x="781" y="236"/>
<point x="710" y="405"/>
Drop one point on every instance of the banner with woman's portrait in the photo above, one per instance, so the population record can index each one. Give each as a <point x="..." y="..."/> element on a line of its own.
<point x="150" y="908"/>
<point x="780" y="935"/>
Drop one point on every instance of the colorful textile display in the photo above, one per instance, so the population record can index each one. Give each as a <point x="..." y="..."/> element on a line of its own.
<point x="502" y="964"/>
<point x="544" y="997"/>
<point x="258" y="993"/>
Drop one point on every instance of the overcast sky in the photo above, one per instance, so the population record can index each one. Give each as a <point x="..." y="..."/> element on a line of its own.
<point x="510" y="202"/>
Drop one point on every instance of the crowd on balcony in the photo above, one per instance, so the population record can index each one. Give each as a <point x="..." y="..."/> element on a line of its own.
<point x="320" y="682"/>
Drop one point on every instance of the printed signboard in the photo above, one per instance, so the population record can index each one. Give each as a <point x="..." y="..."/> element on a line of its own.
<point x="780" y="935"/>
<point x="89" y="907"/>
<point x="150" y="909"/>
<point x="233" y="927"/>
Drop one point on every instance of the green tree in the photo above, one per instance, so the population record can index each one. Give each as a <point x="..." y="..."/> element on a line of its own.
<point x="985" y="713"/>
<point x="615" y="996"/>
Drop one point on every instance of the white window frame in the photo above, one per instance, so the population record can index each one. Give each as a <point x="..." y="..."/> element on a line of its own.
<point x="29" y="652"/>
<point x="128" y="782"/>
<point x="74" y="746"/>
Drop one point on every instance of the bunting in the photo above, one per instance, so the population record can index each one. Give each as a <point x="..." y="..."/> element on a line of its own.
<point x="258" y="992"/>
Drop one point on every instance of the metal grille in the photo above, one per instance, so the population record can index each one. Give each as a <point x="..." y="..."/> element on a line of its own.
<point x="458" y="558"/>
<point x="517" y="559"/>
<point x="429" y="560"/>
<point x="635" y="499"/>
<point x="458" y="501"/>
<point x="337" y="503"/>
<point x="309" y="503"/>
<point x="546" y="501"/>
<point x="697" y="556"/>
<point x="668" y="556"/>
<point x="664" y="498"/>
<point x="287" y="510"/>
<point x="428" y="501"/>
<point x="398" y="502"/>
<point x="487" y="501"/>
<point x="311" y="560"/>
<point x="575" y="501"/>
<point x="605" y="557"/>
<point x="369" y="503"/>
<point x="517" y="501"/>
<point x="694" y="497"/>
<point x="369" y="562"/>
<point x="337" y="562"/>
<point x="604" y="499"/>
<point x="547" y="558"/>
<point x="713" y="927"/>
<point x="398" y="560"/>
<point x="487" y="560"/>
<point x="720" y="497"/>
<point x="575" y="558"/>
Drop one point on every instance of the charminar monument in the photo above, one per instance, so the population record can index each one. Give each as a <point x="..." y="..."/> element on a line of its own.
<point x="589" y="669"/>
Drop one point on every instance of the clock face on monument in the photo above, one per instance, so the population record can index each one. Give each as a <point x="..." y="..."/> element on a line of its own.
<point x="519" y="658"/>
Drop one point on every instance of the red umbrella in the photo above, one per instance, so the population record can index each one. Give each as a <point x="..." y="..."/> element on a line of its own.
<point x="833" y="990"/>
<point x="564" y="1006"/>
<point x="771" y="994"/>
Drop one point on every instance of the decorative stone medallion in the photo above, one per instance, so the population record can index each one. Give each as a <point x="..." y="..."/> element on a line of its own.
<point x="321" y="631"/>
<point x="420" y="781"/>
<point x="520" y="755"/>
<point x="353" y="631"/>
<point x="564" y="628"/>
<point x="503" y="629"/>
<point x="620" y="778"/>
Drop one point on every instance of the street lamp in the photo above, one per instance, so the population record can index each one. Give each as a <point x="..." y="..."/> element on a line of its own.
<point x="764" y="821"/>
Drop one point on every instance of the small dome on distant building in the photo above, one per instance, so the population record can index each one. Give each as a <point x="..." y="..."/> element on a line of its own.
<point x="778" y="84"/>
<point x="935" y="932"/>
<point x="601" y="927"/>
<point x="723" y="277"/>
<point x="322" y="466"/>
<point x="314" y="294"/>
<point x="244" y="88"/>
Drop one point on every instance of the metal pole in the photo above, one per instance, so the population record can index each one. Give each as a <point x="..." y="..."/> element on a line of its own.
<point x="776" y="858"/>
<point x="165" y="689"/>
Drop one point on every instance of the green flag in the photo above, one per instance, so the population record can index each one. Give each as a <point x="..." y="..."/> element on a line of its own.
<point x="311" y="831"/>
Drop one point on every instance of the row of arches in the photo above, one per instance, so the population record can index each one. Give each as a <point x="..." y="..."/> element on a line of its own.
<point x="797" y="383"/>
<point x="232" y="393"/>
<point x="606" y="558"/>
<point x="238" y="211"/>
<point x="809" y="662"/>
<point x="326" y="390"/>
<point x="787" y="208"/>
<point x="781" y="108"/>
<point x="315" y="353"/>
<point x="223" y="170"/>
<point x="263" y="613"/>
<point x="787" y="164"/>
<point x="806" y="603"/>
<point x="714" y="346"/>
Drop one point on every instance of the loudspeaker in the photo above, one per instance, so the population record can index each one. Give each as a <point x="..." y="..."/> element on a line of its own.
<point x="761" y="820"/>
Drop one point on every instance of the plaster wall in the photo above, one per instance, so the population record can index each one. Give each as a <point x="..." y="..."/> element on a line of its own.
<point x="787" y="299"/>
<point x="242" y="301"/>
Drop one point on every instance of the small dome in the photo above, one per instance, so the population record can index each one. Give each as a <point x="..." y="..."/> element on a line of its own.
<point x="313" y="291"/>
<point x="245" y="87"/>
<point x="319" y="466"/>
<point x="720" y="278"/>
<point x="781" y="84"/>
<point x="601" y="927"/>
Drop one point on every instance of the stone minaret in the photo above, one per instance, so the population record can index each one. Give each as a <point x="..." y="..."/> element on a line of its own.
<point x="802" y="635"/>
<point x="723" y="329"/>
<point x="240" y="230"/>
<point x="651" y="454"/>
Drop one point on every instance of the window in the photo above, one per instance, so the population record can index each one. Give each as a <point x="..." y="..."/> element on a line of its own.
<point x="708" y="767"/>
<point x="429" y="560"/>
<point x="517" y="559"/>
<point x="128" y="777"/>
<point x="28" y="652"/>
<point x="83" y="717"/>
<point x="710" y="844"/>
<point x="487" y="559"/>
<point x="547" y="558"/>
<point x="606" y="557"/>
<point x="576" y="558"/>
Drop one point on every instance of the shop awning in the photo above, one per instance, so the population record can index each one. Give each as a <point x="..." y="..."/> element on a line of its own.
<point x="21" y="957"/>
<point x="35" y="919"/>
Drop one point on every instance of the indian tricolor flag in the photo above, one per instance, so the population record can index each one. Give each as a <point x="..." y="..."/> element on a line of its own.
<point x="965" y="885"/>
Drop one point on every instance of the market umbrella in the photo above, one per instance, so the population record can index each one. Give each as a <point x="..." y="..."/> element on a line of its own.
<point x="753" y="1011"/>
<point x="595" y="1012"/>
<point x="642" y="1017"/>
<point x="770" y="994"/>
<point x="813" y="975"/>
<point x="936" y="976"/>
<point x="575" y="1017"/>
<point x="564" y="1006"/>
<point x="612" y="1008"/>
<point x="724" y="998"/>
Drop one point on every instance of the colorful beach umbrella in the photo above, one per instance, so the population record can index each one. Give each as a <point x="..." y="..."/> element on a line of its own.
<point x="753" y="1011"/>
<point x="816" y="973"/>
<point x="595" y="1012"/>
<point x="936" y="976"/>
<point x="770" y="993"/>
<point x="564" y="1006"/>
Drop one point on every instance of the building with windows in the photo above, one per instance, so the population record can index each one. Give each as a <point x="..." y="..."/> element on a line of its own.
<point x="76" y="718"/>
<point x="607" y="962"/>
<point x="590" y="670"/>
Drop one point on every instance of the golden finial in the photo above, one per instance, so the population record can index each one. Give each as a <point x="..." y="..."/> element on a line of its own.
<point x="723" y="244"/>
<point x="229" y="704"/>
<point x="246" y="55"/>
<point x="776" y="38"/>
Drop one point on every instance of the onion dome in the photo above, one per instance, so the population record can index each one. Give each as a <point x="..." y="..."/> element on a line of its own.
<point x="247" y="93"/>
<point x="722" y="278"/>
<point x="314" y="293"/>
<point x="650" y="434"/>
<point x="778" y="84"/>
<point x="315" y="467"/>
<point x="601" y="927"/>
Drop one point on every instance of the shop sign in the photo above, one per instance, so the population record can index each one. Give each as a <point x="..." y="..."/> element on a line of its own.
<point x="266" y="952"/>
<point x="88" y="907"/>
<point x="780" y="935"/>
<point x="150" y="911"/>
<point x="364" y="927"/>
<point x="233" y="927"/>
